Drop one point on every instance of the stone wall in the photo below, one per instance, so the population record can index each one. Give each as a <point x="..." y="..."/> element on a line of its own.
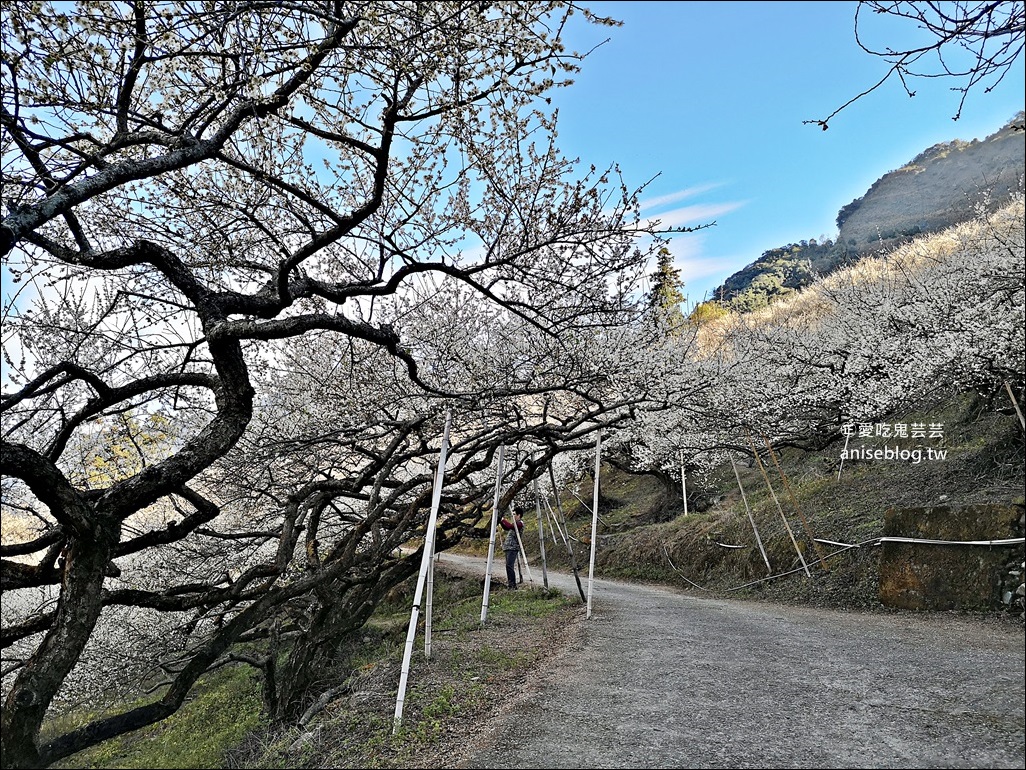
<point x="951" y="575"/>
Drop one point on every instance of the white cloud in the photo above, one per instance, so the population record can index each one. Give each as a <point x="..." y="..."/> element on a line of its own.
<point x="697" y="214"/>
<point x="673" y="197"/>
<point x="690" y="259"/>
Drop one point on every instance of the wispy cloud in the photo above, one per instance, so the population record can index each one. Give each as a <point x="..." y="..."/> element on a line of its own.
<point x="696" y="214"/>
<point x="688" y="192"/>
<point x="690" y="258"/>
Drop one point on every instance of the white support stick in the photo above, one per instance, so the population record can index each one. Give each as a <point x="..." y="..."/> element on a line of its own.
<point x="553" y="520"/>
<point x="548" y="520"/>
<point x="780" y="510"/>
<point x="491" y="537"/>
<point x="683" y="483"/>
<point x="844" y="453"/>
<point x="541" y="534"/>
<point x="425" y="564"/>
<point x="790" y="533"/>
<point x="594" y="520"/>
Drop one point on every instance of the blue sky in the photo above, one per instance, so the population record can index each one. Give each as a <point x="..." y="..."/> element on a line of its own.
<point x="710" y="96"/>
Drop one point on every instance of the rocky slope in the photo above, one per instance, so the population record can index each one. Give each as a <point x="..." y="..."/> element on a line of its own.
<point x="944" y="185"/>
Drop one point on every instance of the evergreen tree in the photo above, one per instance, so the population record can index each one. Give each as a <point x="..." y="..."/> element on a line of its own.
<point x="666" y="293"/>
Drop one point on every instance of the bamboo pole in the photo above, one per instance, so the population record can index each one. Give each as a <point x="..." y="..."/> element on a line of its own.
<point x="550" y="518"/>
<point x="491" y="537"/>
<point x="569" y="539"/>
<point x="554" y="527"/>
<point x="428" y="599"/>
<point x="776" y="502"/>
<point x="750" y="517"/>
<point x="1015" y="403"/>
<point x="429" y="547"/>
<point x="794" y="502"/>
<point x="541" y="534"/>
<point x="594" y="520"/>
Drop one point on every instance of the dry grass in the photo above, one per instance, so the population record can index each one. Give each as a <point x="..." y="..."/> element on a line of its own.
<point x="813" y="305"/>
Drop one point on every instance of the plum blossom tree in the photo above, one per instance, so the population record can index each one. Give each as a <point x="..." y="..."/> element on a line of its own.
<point x="943" y="314"/>
<point x="296" y="233"/>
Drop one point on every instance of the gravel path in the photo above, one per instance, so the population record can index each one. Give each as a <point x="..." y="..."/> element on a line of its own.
<point x="664" y="679"/>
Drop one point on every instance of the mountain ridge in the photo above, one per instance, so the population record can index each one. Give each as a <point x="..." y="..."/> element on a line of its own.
<point x="945" y="184"/>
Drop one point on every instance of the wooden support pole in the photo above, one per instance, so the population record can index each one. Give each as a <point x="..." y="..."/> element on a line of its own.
<point x="541" y="533"/>
<point x="794" y="502"/>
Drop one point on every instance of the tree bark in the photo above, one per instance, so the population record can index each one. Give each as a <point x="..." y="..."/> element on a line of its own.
<point x="37" y="683"/>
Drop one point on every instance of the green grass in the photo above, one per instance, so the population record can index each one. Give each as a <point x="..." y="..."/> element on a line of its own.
<point x="221" y="724"/>
<point x="537" y="602"/>
<point x="224" y="709"/>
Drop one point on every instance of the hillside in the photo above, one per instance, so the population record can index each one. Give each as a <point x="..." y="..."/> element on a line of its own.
<point x="644" y="534"/>
<point x="944" y="185"/>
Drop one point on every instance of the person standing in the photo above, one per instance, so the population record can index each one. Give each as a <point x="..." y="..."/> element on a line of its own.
<point x="511" y="545"/>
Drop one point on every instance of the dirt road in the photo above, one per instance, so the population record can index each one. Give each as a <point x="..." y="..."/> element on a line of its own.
<point x="664" y="679"/>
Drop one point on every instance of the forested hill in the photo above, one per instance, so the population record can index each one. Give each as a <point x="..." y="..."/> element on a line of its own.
<point x="944" y="185"/>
